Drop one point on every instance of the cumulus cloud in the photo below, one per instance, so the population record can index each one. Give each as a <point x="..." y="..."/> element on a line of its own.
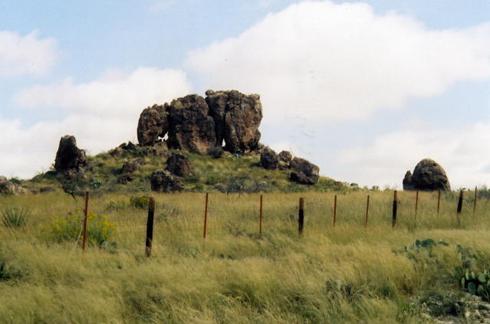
<point x="26" y="54"/>
<point x="115" y="94"/>
<point x="101" y="114"/>
<point x="331" y="62"/>
<point x="464" y="153"/>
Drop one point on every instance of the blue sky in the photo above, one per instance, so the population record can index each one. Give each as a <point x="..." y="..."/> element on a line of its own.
<point x="434" y="100"/>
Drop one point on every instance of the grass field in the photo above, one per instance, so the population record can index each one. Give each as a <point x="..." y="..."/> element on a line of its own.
<point x="346" y="273"/>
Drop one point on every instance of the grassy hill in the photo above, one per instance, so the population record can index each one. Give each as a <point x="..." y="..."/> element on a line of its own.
<point x="347" y="273"/>
<point x="228" y="173"/>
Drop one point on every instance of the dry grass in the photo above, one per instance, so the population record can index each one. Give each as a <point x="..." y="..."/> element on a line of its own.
<point x="342" y="274"/>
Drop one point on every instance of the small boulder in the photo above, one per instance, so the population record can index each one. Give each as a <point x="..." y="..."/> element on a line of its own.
<point x="269" y="159"/>
<point x="164" y="181"/>
<point x="10" y="187"/>
<point x="152" y="125"/>
<point x="285" y="158"/>
<point x="179" y="165"/>
<point x="428" y="175"/>
<point x="69" y="156"/>
<point x="304" y="172"/>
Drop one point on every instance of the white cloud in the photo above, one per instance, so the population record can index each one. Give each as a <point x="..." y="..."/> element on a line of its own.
<point x="115" y="94"/>
<point x="464" y="153"/>
<point x="26" y="54"/>
<point x="331" y="62"/>
<point x="101" y="114"/>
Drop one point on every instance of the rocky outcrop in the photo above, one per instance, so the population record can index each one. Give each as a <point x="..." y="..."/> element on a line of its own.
<point x="237" y="118"/>
<point x="69" y="157"/>
<point x="10" y="187"/>
<point x="304" y="172"/>
<point x="152" y="125"/>
<point x="269" y="159"/>
<point x="428" y="175"/>
<point x="164" y="181"/>
<point x="179" y="165"/>
<point x="197" y="124"/>
<point x="191" y="127"/>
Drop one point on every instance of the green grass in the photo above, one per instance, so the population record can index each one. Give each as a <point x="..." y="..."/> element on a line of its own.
<point x="226" y="174"/>
<point x="329" y="275"/>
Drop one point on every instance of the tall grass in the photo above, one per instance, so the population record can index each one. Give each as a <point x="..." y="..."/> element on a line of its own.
<point x="345" y="273"/>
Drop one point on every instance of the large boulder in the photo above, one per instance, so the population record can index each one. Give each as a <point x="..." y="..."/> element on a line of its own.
<point x="304" y="172"/>
<point x="164" y="181"/>
<point x="69" y="157"/>
<point x="152" y="125"/>
<point x="179" y="165"/>
<point x="285" y="158"/>
<point x="190" y="125"/>
<point x="269" y="159"/>
<point x="428" y="175"/>
<point x="237" y="119"/>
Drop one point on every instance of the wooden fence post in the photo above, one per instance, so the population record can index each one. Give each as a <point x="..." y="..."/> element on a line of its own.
<point x="460" y="207"/>
<point x="334" y="210"/>
<point x="460" y="202"/>
<point x="438" y="201"/>
<point x="149" y="226"/>
<point x="205" y="230"/>
<point x="260" y="215"/>
<point x="395" y="209"/>
<point x="476" y="199"/>
<point x="367" y="212"/>
<point x="301" y="216"/>
<point x="85" y="221"/>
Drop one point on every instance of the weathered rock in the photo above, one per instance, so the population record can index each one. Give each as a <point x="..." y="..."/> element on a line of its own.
<point x="237" y="119"/>
<point x="216" y="152"/>
<point x="179" y="165"/>
<point x="69" y="156"/>
<point x="285" y="158"/>
<point x="269" y="159"/>
<point x="9" y="187"/>
<point x="428" y="175"/>
<point x="160" y="149"/>
<point x="190" y="126"/>
<point x="152" y="125"/>
<point x="304" y="172"/>
<point x="164" y="181"/>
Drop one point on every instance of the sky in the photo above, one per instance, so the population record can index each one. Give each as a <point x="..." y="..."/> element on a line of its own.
<point x="364" y="89"/>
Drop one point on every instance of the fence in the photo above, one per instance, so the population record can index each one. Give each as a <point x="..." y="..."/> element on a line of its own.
<point x="302" y="213"/>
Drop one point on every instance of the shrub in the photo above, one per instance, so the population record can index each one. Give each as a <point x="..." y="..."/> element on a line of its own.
<point x="139" y="202"/>
<point x="15" y="217"/>
<point x="99" y="229"/>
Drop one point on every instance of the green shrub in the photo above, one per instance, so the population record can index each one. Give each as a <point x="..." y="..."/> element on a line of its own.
<point x="139" y="202"/>
<point x="99" y="229"/>
<point x="15" y="217"/>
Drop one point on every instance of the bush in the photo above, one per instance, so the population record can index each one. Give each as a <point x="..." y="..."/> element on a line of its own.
<point x="139" y="202"/>
<point x="99" y="229"/>
<point x="15" y="217"/>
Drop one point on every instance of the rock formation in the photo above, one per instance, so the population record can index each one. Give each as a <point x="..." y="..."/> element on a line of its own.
<point x="285" y="158"/>
<point x="69" y="157"/>
<point x="10" y="187"/>
<point x="237" y="118"/>
<point x="152" y="125"/>
<point x="179" y="165"/>
<point x="190" y="125"/>
<point x="269" y="159"/>
<point x="198" y="124"/>
<point x="304" y="172"/>
<point x="428" y="175"/>
<point x="164" y="181"/>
